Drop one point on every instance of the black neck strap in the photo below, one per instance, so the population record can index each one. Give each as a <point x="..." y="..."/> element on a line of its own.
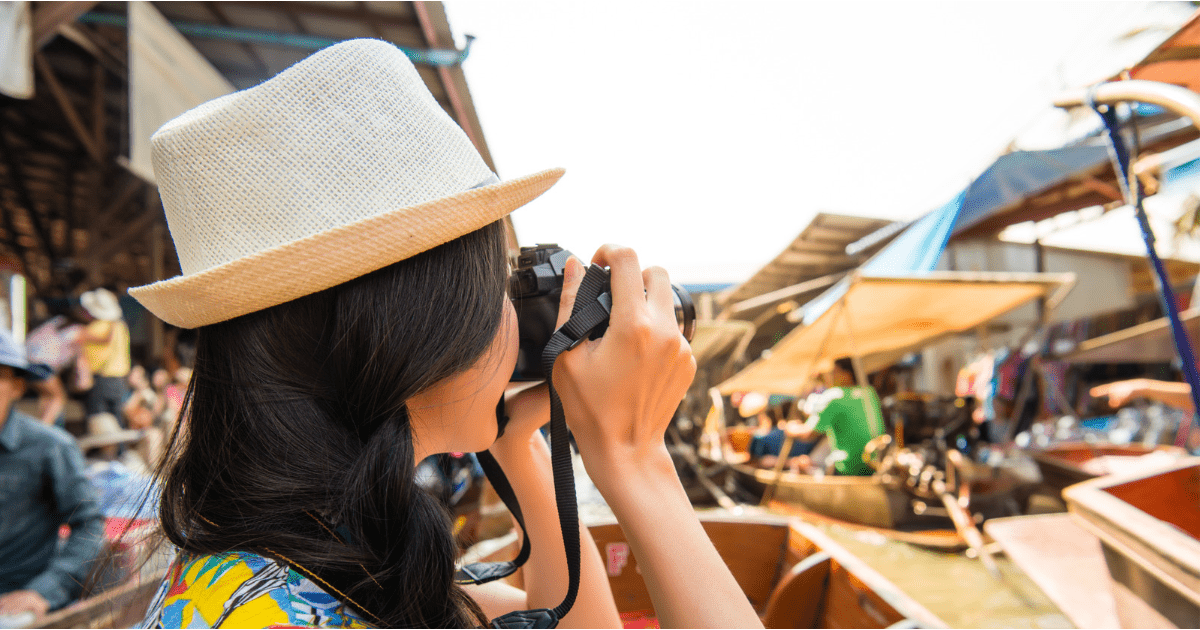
<point x="588" y="318"/>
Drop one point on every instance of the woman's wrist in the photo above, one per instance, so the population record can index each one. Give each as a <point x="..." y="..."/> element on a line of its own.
<point x="622" y="476"/>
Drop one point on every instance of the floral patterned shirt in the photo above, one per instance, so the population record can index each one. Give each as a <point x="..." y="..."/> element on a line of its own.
<point x="243" y="590"/>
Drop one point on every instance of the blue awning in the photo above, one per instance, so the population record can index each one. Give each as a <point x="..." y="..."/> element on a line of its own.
<point x="1012" y="178"/>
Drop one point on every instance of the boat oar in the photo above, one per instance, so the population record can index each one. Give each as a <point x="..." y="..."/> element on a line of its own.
<point x="777" y="472"/>
<point x="965" y="526"/>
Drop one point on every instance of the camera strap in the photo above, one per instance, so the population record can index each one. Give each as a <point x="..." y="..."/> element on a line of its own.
<point x="590" y="313"/>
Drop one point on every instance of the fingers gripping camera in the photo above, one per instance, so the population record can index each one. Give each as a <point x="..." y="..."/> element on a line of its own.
<point x="535" y="287"/>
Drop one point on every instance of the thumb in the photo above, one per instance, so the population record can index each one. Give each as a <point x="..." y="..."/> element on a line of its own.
<point x="572" y="278"/>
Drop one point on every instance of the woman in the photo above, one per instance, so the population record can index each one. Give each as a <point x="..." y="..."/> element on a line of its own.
<point x="344" y="261"/>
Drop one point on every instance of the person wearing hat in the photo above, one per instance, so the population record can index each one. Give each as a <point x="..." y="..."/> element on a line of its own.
<point x="343" y="258"/>
<point x="42" y="487"/>
<point x="104" y="344"/>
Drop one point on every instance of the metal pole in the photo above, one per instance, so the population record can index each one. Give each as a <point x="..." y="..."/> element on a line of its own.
<point x="1180" y="101"/>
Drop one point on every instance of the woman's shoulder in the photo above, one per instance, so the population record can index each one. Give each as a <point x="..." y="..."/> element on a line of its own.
<point x="243" y="590"/>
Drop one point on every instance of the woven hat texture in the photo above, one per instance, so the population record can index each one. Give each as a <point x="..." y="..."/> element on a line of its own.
<point x="340" y="165"/>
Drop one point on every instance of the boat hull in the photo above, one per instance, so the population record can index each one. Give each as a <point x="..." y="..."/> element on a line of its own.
<point x="793" y="574"/>
<point x="1148" y="524"/>
<point x="1066" y="464"/>
<point x="869" y="501"/>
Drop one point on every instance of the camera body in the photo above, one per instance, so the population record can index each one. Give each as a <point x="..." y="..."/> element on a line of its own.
<point x="535" y="287"/>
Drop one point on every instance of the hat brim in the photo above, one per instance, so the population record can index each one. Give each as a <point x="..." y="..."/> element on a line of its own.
<point x="315" y="263"/>
<point x="28" y="370"/>
<point x="112" y="438"/>
<point x="37" y="371"/>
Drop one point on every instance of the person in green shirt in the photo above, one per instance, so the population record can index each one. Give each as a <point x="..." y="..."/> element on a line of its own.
<point x="841" y="413"/>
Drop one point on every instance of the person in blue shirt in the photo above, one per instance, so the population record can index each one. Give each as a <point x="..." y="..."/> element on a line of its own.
<point x="42" y="487"/>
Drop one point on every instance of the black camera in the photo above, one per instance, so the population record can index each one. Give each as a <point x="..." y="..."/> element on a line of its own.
<point x="535" y="287"/>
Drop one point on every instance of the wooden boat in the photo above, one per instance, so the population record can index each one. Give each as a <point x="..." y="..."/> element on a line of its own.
<point x="1070" y="463"/>
<point x="874" y="502"/>
<point x="939" y="538"/>
<point x="1148" y="524"/>
<point x="792" y="572"/>
<point x="1064" y="560"/>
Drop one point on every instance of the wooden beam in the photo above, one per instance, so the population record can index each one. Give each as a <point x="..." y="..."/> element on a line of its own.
<point x="101" y="219"/>
<point x="64" y="102"/>
<point x="99" y="253"/>
<point x="17" y="183"/>
<point x="435" y="26"/>
<point x="68" y="248"/>
<point x="15" y="245"/>
<point x="215" y="7"/>
<point x="50" y="15"/>
<point x="357" y="14"/>
<point x="112" y="59"/>
<point x="99" y="120"/>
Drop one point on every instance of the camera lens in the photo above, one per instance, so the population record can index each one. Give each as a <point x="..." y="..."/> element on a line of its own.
<point x="685" y="312"/>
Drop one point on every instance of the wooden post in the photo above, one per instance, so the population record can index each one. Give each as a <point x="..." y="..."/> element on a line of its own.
<point x="158" y="234"/>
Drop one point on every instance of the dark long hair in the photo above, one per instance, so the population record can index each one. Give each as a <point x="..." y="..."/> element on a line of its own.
<point x="297" y="443"/>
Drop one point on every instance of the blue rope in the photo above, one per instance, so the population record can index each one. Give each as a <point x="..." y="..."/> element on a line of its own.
<point x="1132" y="188"/>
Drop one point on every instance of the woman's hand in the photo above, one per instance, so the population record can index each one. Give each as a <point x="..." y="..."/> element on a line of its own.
<point x="621" y="391"/>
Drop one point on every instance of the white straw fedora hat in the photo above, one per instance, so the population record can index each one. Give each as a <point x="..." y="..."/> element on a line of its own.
<point x="340" y="165"/>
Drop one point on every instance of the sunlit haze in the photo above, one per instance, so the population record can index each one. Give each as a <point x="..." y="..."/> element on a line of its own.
<point x="707" y="134"/>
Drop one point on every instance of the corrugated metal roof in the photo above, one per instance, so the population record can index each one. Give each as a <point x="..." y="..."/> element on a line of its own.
<point x="818" y="251"/>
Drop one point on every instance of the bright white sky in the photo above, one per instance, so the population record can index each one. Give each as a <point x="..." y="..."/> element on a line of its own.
<point x="707" y="134"/>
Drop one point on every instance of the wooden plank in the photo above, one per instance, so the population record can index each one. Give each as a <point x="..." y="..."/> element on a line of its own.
<point x="99" y="120"/>
<point x="84" y="39"/>
<point x="1146" y="522"/>
<point x="99" y="253"/>
<point x="64" y="103"/>
<point x="753" y="551"/>
<point x="122" y="199"/>
<point x="262" y="67"/>
<point x="17" y="183"/>
<point x="51" y="15"/>
<point x="798" y="601"/>
<point x="1064" y="560"/>
<point x="851" y="604"/>
<point x="865" y="579"/>
<point x="356" y="14"/>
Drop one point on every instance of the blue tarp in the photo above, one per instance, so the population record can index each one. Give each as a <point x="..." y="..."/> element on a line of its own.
<point x="1010" y="179"/>
<point x="1181" y="178"/>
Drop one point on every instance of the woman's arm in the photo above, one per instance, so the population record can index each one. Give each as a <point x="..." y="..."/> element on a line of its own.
<point x="525" y="458"/>
<point x="1178" y="395"/>
<point x="620" y="393"/>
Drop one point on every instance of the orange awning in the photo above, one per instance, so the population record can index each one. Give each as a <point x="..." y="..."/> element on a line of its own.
<point x="881" y="318"/>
